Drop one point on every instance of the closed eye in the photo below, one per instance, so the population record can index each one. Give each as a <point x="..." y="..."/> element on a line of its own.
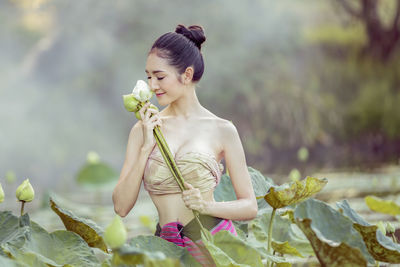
<point x="157" y="78"/>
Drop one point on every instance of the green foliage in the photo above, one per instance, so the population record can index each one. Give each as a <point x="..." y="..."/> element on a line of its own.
<point x="85" y="228"/>
<point x="331" y="234"/>
<point x="384" y="206"/>
<point x="133" y="256"/>
<point x="225" y="192"/>
<point x="379" y="246"/>
<point x="170" y="250"/>
<point x="94" y="174"/>
<point x="228" y="250"/>
<point x="294" y="192"/>
<point x="28" y="243"/>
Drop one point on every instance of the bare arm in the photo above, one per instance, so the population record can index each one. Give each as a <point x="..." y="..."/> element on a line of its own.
<point x="127" y="189"/>
<point x="245" y="207"/>
<point x="140" y="143"/>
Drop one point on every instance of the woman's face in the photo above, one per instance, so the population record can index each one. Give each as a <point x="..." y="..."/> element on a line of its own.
<point x="163" y="79"/>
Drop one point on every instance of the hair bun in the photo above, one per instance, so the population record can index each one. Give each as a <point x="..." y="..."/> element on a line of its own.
<point x="194" y="33"/>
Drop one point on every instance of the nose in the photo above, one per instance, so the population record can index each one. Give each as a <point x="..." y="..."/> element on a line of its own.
<point x="153" y="84"/>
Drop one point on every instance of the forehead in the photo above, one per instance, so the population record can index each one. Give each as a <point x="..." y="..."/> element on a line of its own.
<point x="154" y="63"/>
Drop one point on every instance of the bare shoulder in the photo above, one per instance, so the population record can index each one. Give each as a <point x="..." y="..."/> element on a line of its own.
<point x="226" y="128"/>
<point x="137" y="132"/>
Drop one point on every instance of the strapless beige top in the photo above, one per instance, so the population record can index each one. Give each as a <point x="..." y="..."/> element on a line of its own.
<point x="197" y="168"/>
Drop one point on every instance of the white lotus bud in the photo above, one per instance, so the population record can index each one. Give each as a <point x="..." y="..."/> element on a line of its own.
<point x="25" y="192"/>
<point x="142" y="91"/>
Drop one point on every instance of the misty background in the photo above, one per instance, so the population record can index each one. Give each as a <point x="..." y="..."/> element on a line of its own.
<point x="320" y="75"/>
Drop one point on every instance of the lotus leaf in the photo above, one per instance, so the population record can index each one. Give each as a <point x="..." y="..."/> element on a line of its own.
<point x="382" y="206"/>
<point x="86" y="228"/>
<point x="96" y="174"/>
<point x="59" y="248"/>
<point x="12" y="232"/>
<point x="225" y="192"/>
<point x="283" y="230"/>
<point x="381" y="247"/>
<point x="229" y="250"/>
<point x="331" y="234"/>
<point x="11" y="263"/>
<point x="170" y="250"/>
<point x="294" y="192"/>
<point x="132" y="256"/>
<point x="285" y="248"/>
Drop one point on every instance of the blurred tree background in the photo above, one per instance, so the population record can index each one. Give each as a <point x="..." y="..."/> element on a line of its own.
<point x="323" y="75"/>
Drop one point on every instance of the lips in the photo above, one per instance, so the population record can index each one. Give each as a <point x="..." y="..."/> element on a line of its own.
<point x="160" y="94"/>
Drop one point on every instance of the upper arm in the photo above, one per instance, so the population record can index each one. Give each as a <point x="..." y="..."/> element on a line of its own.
<point x="235" y="160"/>
<point x="135" y="142"/>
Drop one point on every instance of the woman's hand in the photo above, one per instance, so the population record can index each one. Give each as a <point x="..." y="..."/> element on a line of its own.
<point x="150" y="119"/>
<point x="193" y="199"/>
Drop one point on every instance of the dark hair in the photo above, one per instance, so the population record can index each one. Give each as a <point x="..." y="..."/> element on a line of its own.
<point x="182" y="49"/>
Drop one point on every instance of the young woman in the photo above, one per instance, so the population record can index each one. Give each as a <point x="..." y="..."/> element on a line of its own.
<point x="197" y="138"/>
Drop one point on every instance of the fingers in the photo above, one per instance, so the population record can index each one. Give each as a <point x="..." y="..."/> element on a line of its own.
<point x="150" y="116"/>
<point x="143" y="109"/>
<point x="193" y="200"/>
<point x="188" y="186"/>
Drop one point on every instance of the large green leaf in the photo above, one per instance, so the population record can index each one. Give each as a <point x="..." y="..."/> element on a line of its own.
<point x="294" y="192"/>
<point x="225" y="192"/>
<point x="96" y="174"/>
<point x="11" y="232"/>
<point x="132" y="256"/>
<point x="379" y="246"/>
<point x="56" y="249"/>
<point x="331" y="234"/>
<point x="229" y="250"/>
<point x="282" y="230"/>
<point x="86" y="228"/>
<point x="383" y="206"/>
<point x="170" y="250"/>
<point x="6" y="262"/>
<point x="59" y="248"/>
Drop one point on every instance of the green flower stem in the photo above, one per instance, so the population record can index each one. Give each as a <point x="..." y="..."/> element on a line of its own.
<point x="22" y="207"/>
<point x="166" y="153"/>
<point x="180" y="179"/>
<point x="394" y="238"/>
<point x="169" y="159"/>
<point x="271" y="221"/>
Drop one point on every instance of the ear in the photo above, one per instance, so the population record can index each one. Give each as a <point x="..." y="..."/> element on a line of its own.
<point x="187" y="76"/>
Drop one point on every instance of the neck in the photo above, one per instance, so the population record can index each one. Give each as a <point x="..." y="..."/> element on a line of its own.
<point x="186" y="106"/>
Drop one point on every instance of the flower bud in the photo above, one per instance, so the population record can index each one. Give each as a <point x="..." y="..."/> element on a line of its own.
<point x="153" y="107"/>
<point x="115" y="233"/>
<point x="302" y="154"/>
<point x="142" y="91"/>
<point x="10" y="177"/>
<point x="137" y="115"/>
<point x="1" y="194"/>
<point x="130" y="103"/>
<point x="25" y="192"/>
<point x="295" y="175"/>
<point x="381" y="227"/>
<point x="92" y="157"/>
<point x="390" y="228"/>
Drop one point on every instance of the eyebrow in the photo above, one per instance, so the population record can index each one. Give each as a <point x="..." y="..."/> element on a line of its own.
<point x="154" y="72"/>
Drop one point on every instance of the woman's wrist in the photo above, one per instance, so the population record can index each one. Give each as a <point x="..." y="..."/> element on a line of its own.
<point x="207" y="208"/>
